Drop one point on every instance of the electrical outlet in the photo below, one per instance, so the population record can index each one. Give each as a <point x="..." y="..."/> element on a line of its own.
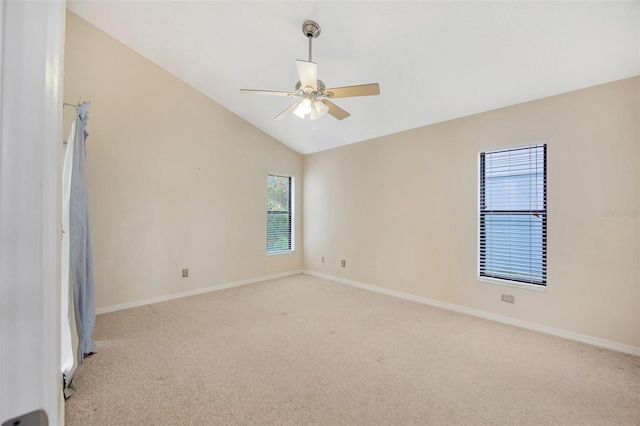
<point x="344" y="263"/>
<point x="509" y="298"/>
<point x="322" y="259"/>
<point x="185" y="273"/>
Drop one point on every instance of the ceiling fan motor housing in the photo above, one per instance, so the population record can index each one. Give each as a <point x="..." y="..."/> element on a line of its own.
<point x="319" y="92"/>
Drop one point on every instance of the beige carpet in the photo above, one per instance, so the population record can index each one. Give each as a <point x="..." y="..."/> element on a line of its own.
<point x="302" y="350"/>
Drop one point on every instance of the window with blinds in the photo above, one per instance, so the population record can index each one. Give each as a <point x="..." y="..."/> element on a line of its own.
<point x="279" y="214"/>
<point x="513" y="215"/>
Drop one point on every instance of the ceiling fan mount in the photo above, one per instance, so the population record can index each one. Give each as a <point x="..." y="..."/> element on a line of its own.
<point x="312" y="93"/>
<point x="310" y="29"/>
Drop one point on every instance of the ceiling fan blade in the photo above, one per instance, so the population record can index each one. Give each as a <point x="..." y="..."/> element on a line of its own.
<point x="267" y="92"/>
<point x="308" y="72"/>
<point x="287" y="111"/>
<point x="335" y="110"/>
<point x="348" y="91"/>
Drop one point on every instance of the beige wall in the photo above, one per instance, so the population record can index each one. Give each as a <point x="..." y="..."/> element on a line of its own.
<point x="402" y="211"/>
<point x="178" y="181"/>
<point x="175" y="180"/>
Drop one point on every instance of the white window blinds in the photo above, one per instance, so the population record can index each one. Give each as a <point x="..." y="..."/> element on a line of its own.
<point x="279" y="214"/>
<point x="513" y="215"/>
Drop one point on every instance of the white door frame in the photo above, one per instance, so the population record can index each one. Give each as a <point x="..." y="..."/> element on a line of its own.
<point x="31" y="62"/>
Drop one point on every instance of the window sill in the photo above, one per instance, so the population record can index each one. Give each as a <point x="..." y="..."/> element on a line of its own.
<point x="278" y="253"/>
<point x="506" y="283"/>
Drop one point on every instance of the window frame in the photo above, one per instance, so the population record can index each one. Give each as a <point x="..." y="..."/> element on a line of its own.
<point x="507" y="280"/>
<point x="290" y="212"/>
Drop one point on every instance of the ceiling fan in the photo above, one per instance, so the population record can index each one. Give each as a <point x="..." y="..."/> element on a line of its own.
<point x="311" y="92"/>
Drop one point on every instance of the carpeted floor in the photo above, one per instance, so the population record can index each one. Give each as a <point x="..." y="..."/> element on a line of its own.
<point x="302" y="350"/>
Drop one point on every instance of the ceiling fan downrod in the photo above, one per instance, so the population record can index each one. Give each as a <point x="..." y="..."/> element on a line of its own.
<point x="311" y="30"/>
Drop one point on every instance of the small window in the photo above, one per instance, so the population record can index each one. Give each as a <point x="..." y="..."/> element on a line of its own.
<point x="513" y="215"/>
<point x="279" y="214"/>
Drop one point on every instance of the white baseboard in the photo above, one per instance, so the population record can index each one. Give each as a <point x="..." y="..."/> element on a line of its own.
<point x="583" y="338"/>
<point x="172" y="296"/>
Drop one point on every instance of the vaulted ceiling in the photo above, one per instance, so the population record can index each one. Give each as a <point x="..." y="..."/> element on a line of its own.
<point x="435" y="61"/>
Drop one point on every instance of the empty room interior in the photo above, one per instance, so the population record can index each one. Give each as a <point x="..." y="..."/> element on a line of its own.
<point x="451" y="236"/>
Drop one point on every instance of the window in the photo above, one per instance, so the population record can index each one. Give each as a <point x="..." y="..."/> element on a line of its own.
<point x="279" y="214"/>
<point x="513" y="215"/>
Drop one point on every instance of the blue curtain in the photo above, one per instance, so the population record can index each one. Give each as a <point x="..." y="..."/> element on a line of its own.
<point x="80" y="240"/>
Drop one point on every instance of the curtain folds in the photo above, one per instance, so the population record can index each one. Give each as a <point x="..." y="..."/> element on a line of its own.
<point x="77" y="288"/>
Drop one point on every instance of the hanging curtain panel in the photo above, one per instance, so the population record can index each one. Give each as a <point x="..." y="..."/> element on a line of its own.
<point x="78" y="313"/>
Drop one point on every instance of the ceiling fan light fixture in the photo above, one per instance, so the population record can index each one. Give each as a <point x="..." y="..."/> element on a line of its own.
<point x="304" y="108"/>
<point x="320" y="107"/>
<point x="298" y="112"/>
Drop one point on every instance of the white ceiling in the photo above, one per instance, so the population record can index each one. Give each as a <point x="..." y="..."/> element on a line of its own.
<point x="435" y="61"/>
